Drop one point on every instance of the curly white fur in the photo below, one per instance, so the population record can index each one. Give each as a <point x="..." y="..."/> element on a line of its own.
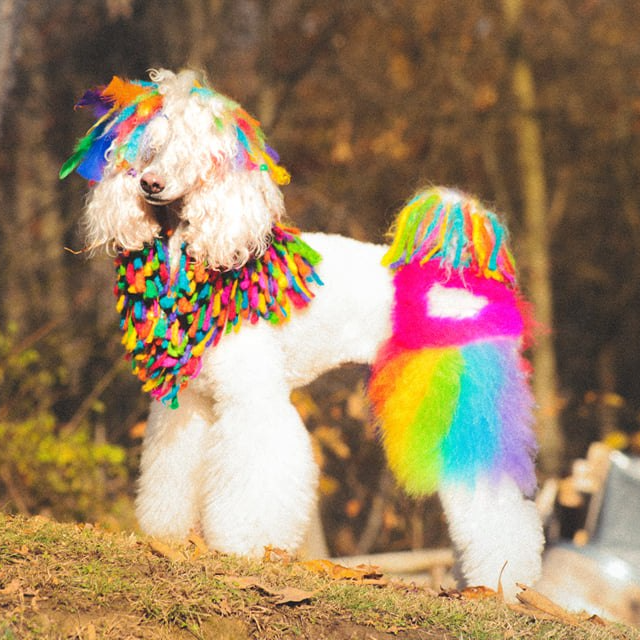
<point x="235" y="455"/>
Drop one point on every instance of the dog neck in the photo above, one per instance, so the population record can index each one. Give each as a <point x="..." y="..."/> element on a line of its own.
<point x="170" y="314"/>
<point x="167" y="217"/>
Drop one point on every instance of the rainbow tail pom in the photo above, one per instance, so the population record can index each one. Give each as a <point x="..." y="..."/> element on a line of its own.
<point x="450" y="388"/>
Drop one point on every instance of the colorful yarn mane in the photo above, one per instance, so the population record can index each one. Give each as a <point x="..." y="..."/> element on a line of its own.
<point x="169" y="318"/>
<point x="124" y="110"/>
<point x="451" y="391"/>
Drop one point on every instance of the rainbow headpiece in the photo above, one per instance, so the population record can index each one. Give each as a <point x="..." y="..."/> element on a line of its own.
<point x="450" y="388"/>
<point x="124" y="110"/>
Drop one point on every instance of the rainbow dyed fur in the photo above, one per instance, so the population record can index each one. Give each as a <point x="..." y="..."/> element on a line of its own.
<point x="450" y="388"/>
<point x="224" y="311"/>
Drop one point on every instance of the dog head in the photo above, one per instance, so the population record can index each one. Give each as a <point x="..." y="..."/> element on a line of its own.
<point x="174" y="156"/>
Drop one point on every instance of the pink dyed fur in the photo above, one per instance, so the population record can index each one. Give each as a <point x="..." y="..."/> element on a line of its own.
<point x="415" y="328"/>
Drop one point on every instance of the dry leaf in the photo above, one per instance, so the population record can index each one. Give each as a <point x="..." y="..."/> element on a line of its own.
<point x="532" y="612"/>
<point x="370" y="571"/>
<point x="273" y="554"/>
<point x="200" y="545"/>
<point x="337" y="572"/>
<point x="287" y="595"/>
<point x="500" y="592"/>
<point x="164" y="550"/>
<point x="469" y="593"/>
<point x="539" y="603"/>
<point x="241" y="582"/>
<point x="291" y="595"/>
<point x="478" y="593"/>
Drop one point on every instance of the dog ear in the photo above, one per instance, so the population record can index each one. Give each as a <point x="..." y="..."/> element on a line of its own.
<point x="114" y="215"/>
<point x="237" y="200"/>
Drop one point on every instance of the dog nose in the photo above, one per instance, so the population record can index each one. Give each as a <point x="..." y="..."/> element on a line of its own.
<point x="151" y="183"/>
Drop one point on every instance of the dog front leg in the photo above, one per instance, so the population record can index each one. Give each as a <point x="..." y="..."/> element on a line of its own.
<point x="261" y="478"/>
<point x="167" y="502"/>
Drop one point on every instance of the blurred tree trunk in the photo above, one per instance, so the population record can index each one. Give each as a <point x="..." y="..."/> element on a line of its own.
<point x="10" y="16"/>
<point x="534" y="193"/>
<point x="34" y="291"/>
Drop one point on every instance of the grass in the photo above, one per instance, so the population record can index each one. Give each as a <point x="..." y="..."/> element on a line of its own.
<point x="65" y="581"/>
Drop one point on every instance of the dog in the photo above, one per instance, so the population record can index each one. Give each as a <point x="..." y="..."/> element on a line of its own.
<point x="224" y="310"/>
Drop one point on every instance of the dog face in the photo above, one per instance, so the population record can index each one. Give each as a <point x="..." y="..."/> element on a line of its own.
<point x="175" y="157"/>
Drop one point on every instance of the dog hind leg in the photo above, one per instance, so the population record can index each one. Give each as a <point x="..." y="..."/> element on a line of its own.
<point x="495" y="531"/>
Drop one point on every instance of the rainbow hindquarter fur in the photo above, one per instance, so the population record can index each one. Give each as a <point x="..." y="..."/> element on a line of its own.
<point x="224" y="310"/>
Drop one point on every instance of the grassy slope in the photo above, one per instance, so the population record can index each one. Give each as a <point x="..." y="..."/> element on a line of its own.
<point x="74" y="581"/>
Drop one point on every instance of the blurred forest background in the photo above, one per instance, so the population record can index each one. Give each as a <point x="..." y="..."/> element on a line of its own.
<point x="533" y="105"/>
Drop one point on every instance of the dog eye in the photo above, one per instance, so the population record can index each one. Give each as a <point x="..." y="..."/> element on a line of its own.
<point x="147" y="153"/>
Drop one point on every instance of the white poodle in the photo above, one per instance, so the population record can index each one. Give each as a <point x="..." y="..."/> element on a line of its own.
<point x="185" y="192"/>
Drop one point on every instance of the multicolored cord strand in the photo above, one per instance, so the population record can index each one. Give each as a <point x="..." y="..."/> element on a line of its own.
<point x="169" y="318"/>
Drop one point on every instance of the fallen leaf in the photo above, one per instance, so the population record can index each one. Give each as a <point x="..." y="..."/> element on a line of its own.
<point x="376" y="582"/>
<point x="478" y="593"/>
<point x="369" y="570"/>
<point x="500" y="592"/>
<point x="292" y="595"/>
<point x="596" y="619"/>
<point x="287" y="595"/>
<point x="164" y="550"/>
<point x="200" y="546"/>
<point x="273" y="554"/>
<point x="532" y="612"/>
<point x="338" y="572"/>
<point x="536" y="601"/>
<point x="240" y="582"/>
